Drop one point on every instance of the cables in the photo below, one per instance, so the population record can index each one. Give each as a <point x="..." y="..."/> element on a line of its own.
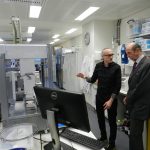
<point x="40" y="133"/>
<point x="40" y="139"/>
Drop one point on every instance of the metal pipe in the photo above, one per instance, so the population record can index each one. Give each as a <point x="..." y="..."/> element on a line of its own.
<point x="118" y="32"/>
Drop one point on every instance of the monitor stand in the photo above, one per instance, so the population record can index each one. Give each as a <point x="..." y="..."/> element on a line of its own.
<point x="55" y="144"/>
<point x="63" y="147"/>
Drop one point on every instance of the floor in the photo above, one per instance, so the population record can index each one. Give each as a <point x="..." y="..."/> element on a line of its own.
<point x="122" y="141"/>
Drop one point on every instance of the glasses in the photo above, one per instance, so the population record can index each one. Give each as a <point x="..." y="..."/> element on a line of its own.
<point x="109" y="55"/>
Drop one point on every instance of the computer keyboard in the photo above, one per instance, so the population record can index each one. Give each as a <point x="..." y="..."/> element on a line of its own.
<point x="82" y="139"/>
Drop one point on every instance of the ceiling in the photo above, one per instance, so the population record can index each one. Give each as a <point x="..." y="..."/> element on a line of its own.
<point x="57" y="16"/>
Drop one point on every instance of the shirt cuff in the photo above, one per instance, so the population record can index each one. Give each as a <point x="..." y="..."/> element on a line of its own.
<point x="113" y="96"/>
<point x="88" y="79"/>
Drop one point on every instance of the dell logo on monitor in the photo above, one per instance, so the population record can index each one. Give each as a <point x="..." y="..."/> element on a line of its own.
<point x="54" y="95"/>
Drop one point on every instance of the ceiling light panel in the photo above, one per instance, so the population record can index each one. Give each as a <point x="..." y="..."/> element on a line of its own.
<point x="31" y="29"/>
<point x="29" y="39"/>
<point x="87" y="13"/>
<point x="51" y="42"/>
<point x="55" y="36"/>
<point x="1" y="40"/>
<point x="56" y="40"/>
<point x="34" y="11"/>
<point x="71" y="31"/>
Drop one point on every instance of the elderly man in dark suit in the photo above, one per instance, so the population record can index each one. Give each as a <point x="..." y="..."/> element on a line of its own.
<point x="138" y="95"/>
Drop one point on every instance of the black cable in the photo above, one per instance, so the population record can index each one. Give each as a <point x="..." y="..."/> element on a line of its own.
<point x="63" y="129"/>
<point x="41" y="140"/>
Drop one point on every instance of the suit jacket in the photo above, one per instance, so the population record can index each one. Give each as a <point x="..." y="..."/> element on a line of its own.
<point x="138" y="96"/>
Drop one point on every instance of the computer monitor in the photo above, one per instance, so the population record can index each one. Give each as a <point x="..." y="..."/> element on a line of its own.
<point x="69" y="107"/>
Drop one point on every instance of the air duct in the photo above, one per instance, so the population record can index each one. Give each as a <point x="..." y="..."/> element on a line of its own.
<point x="17" y="38"/>
<point x="35" y="2"/>
<point x="118" y="32"/>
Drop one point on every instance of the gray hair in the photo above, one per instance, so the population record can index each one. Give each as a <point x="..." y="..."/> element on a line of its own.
<point x="103" y="50"/>
<point x="136" y="46"/>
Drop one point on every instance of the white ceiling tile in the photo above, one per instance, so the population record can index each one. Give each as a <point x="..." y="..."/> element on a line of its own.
<point x="57" y="16"/>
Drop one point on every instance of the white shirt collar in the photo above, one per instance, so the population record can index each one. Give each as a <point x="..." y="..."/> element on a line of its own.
<point x="139" y="59"/>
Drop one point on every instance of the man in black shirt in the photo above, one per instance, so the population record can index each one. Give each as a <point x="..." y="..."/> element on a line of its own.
<point x="108" y="74"/>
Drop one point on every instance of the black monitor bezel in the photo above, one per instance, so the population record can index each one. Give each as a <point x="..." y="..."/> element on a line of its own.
<point x="70" y="107"/>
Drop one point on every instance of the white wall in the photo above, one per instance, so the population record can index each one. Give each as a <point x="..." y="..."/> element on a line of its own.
<point x="104" y="32"/>
<point x="125" y="27"/>
<point x="101" y="34"/>
<point x="74" y="42"/>
<point x="88" y="49"/>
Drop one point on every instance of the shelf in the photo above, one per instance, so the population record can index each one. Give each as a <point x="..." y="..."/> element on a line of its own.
<point x="147" y="35"/>
<point x="147" y="50"/>
<point x="129" y="65"/>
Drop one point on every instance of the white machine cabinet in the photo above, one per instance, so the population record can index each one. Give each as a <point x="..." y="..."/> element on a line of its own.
<point x="22" y="80"/>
